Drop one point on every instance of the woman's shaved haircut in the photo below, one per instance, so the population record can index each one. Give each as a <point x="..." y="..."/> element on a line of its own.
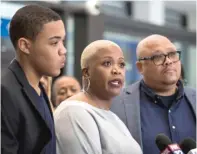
<point x="91" y="50"/>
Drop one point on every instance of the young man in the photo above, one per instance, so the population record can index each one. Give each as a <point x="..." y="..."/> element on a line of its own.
<point x="159" y="103"/>
<point x="27" y="127"/>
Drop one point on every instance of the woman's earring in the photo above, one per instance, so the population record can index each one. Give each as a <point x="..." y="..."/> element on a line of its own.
<point x="88" y="84"/>
<point x="85" y="88"/>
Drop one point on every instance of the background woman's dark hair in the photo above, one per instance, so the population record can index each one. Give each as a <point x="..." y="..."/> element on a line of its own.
<point x="28" y="22"/>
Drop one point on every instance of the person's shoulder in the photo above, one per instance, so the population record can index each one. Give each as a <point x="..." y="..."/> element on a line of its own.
<point x="9" y="92"/>
<point x="189" y="89"/>
<point x="70" y="108"/>
<point x="6" y="75"/>
<point x="7" y="79"/>
<point x="125" y="91"/>
<point x="132" y="87"/>
<point x="129" y="89"/>
<point x="73" y="112"/>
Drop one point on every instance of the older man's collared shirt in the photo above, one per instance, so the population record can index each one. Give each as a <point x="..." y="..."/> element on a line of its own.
<point x="171" y="115"/>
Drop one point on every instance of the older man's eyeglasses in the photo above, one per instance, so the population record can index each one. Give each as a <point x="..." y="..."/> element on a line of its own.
<point x="160" y="59"/>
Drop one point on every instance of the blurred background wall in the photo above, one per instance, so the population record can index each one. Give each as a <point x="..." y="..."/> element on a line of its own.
<point x="124" y="22"/>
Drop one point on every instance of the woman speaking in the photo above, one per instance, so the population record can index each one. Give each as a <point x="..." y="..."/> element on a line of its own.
<point x="83" y="123"/>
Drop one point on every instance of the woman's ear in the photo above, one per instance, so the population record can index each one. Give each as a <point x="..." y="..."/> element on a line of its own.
<point x="85" y="72"/>
<point x="85" y="79"/>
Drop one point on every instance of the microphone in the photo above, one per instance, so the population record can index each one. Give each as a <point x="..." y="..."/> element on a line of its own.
<point x="193" y="151"/>
<point x="166" y="146"/>
<point x="188" y="145"/>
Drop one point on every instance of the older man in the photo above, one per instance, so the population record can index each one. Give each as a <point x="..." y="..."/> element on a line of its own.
<point x="158" y="103"/>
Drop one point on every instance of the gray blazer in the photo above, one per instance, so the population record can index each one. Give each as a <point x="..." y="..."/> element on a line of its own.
<point x="127" y="107"/>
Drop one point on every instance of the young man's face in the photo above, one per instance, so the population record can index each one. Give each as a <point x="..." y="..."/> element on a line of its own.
<point x="47" y="51"/>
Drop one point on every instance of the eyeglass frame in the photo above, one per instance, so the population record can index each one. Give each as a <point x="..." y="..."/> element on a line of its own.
<point x="166" y="55"/>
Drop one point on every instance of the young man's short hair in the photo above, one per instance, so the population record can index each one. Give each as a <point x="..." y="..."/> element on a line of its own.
<point x="28" y="22"/>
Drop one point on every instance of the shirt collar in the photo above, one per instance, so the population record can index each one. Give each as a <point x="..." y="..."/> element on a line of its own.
<point x="150" y="92"/>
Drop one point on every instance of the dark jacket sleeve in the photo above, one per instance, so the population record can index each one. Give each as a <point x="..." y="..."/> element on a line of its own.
<point x="9" y="123"/>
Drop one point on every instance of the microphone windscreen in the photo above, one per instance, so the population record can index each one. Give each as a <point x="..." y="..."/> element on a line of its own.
<point x="162" y="141"/>
<point x="187" y="144"/>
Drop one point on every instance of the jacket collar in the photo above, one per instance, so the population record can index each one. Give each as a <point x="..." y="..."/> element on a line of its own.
<point x="26" y="87"/>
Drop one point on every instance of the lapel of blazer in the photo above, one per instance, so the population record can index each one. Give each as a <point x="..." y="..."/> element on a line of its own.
<point x="26" y="88"/>
<point x="47" y="100"/>
<point x="132" y="109"/>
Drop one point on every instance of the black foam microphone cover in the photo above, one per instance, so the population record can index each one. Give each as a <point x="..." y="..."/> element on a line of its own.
<point x="187" y="144"/>
<point x="162" y="141"/>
